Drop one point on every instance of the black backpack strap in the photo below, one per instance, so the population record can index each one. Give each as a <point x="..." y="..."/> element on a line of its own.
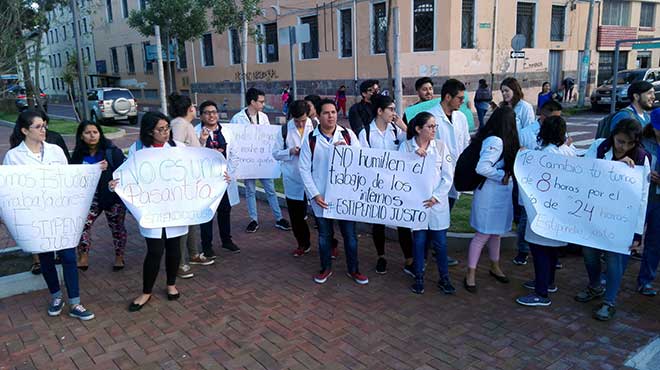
<point x="396" y="137"/>
<point x="285" y="131"/>
<point x="312" y="143"/>
<point x="347" y="136"/>
<point x="367" y="131"/>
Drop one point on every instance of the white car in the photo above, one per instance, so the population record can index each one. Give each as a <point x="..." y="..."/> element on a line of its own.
<point x="108" y="104"/>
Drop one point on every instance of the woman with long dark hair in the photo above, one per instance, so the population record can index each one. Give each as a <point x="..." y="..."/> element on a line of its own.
<point x="512" y="96"/>
<point x="93" y="147"/>
<point x="29" y="147"/>
<point x="492" y="209"/>
<point x="421" y="140"/>
<point x="623" y="145"/>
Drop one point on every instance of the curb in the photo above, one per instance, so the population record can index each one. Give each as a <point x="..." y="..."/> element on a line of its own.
<point x="23" y="282"/>
<point x="390" y="232"/>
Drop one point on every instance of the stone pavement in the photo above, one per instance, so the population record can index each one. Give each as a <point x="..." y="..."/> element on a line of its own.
<point x="260" y="309"/>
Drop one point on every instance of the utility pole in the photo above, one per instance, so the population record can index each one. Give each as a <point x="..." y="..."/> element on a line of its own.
<point x="161" y="73"/>
<point x="292" y="50"/>
<point x="84" y="109"/>
<point x="244" y="57"/>
<point x="584" y="71"/>
<point x="396" y="35"/>
<point x="192" y="53"/>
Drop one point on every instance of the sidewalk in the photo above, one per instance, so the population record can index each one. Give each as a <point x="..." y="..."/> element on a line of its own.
<point x="260" y="309"/>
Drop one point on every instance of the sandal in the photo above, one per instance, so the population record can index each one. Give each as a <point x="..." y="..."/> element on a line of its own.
<point x="36" y="268"/>
<point x="85" y="265"/>
<point x="119" y="264"/>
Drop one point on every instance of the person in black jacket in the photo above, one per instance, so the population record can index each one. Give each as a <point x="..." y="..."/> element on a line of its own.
<point x="361" y="114"/>
<point x="92" y="147"/>
<point x="53" y="137"/>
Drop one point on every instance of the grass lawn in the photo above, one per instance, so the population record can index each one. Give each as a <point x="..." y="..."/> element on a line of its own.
<point x="61" y="126"/>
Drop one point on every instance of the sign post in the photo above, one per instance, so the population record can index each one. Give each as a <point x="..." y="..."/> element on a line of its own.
<point x="517" y="44"/>
<point x="292" y="35"/>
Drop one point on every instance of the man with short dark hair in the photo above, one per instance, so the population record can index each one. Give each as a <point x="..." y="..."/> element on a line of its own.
<point x="361" y="113"/>
<point x="642" y="96"/>
<point x="253" y="115"/>
<point x="314" y="169"/>
<point x="210" y="133"/>
<point x="424" y="88"/>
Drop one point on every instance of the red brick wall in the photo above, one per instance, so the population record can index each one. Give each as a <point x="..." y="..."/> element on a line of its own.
<point x="607" y="35"/>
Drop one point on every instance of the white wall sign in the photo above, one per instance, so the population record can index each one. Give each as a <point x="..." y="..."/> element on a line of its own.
<point x="45" y="207"/>
<point x="250" y="150"/>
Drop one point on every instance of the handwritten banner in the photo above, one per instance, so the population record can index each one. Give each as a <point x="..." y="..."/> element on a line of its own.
<point x="250" y="150"/>
<point x="45" y="207"/>
<point x="585" y="201"/>
<point x="378" y="186"/>
<point x="179" y="186"/>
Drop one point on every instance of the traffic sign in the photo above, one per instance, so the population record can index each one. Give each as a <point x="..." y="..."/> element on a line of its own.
<point x="518" y="42"/>
<point x="517" y="55"/>
<point x="646" y="46"/>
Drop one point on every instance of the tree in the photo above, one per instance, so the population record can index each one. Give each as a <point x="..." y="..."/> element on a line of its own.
<point x="69" y="76"/>
<point x="180" y="20"/>
<point x="237" y="14"/>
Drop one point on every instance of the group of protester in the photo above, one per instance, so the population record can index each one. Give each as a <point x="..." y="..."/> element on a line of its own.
<point x="304" y="149"/>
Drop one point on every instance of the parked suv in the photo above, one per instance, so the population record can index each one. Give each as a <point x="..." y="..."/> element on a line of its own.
<point x="20" y="96"/>
<point x="109" y="104"/>
<point x="602" y="96"/>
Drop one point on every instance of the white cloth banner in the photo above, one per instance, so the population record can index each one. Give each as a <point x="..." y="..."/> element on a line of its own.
<point x="45" y="207"/>
<point x="585" y="201"/>
<point x="250" y="150"/>
<point x="379" y="186"/>
<point x="176" y="186"/>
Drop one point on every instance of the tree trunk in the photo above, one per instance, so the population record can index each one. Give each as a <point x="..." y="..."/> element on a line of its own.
<point x="73" y="103"/>
<point x="243" y="40"/>
<point x="37" y="67"/>
<point x="388" y="53"/>
<point x="27" y="78"/>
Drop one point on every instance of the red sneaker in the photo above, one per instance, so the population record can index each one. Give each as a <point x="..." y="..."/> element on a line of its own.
<point x="301" y="252"/>
<point x="358" y="278"/>
<point x="322" y="276"/>
<point x="334" y="253"/>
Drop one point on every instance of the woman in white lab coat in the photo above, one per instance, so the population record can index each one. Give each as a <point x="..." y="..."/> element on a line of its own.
<point x="421" y="134"/>
<point x="492" y="208"/>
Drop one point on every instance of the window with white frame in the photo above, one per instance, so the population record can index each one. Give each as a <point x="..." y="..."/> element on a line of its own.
<point x="616" y="13"/>
<point x="108" y="10"/>
<point x="124" y="8"/>
<point x="207" y="50"/>
<point x="345" y="33"/>
<point x="130" y="61"/>
<point x="234" y="47"/>
<point x="467" y="24"/>
<point x="181" y="58"/>
<point x="63" y="33"/>
<point x="647" y="15"/>
<point x="148" y="65"/>
<point x="115" y="60"/>
<point x="310" y="50"/>
<point x="423" y="24"/>
<point x="143" y="4"/>
<point x="526" y="22"/>
<point x="89" y="56"/>
<point x="378" y="28"/>
<point x="267" y="50"/>
<point x="557" y="23"/>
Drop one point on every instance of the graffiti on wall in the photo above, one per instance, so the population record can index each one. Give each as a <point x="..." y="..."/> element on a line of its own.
<point x="429" y="70"/>
<point x="266" y="75"/>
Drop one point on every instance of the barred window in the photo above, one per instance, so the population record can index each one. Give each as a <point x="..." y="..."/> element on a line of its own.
<point x="525" y="22"/>
<point x="557" y="23"/>
<point x="345" y="33"/>
<point x="310" y="50"/>
<point x="379" y="28"/>
<point x="424" y="14"/>
<point x="467" y="25"/>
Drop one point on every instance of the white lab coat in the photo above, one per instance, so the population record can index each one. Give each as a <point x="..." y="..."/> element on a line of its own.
<point x="314" y="172"/>
<point x="156" y="233"/>
<point x="242" y="118"/>
<point x="293" y="183"/>
<point x="492" y="209"/>
<point x="641" y="215"/>
<point x="391" y="139"/>
<point x="21" y="155"/>
<point x="530" y="236"/>
<point x="525" y="115"/>
<point x="455" y="134"/>
<point x="439" y="218"/>
<point x="528" y="136"/>
<point x="232" y="188"/>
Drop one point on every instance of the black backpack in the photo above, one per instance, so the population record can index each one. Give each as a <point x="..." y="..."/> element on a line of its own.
<point x="367" y="130"/>
<point x="466" y="177"/>
<point x="605" y="124"/>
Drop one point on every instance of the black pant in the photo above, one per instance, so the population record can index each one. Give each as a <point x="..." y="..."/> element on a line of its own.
<point x="545" y="265"/>
<point x="405" y="240"/>
<point x="151" y="265"/>
<point x="297" y="213"/>
<point x="224" y="225"/>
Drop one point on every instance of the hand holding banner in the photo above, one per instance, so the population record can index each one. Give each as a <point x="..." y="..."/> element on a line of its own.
<point x="379" y="186"/>
<point x="45" y="207"/>
<point x="250" y="150"/>
<point x="585" y="201"/>
<point x="166" y="187"/>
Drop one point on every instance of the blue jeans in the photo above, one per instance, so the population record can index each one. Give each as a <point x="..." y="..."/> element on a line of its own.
<point x="616" y="266"/>
<point x="651" y="255"/>
<point x="545" y="265"/>
<point x="438" y="239"/>
<point x="250" y="196"/>
<point x="523" y="246"/>
<point x="70" y="267"/>
<point x="482" y="108"/>
<point x="349" y="234"/>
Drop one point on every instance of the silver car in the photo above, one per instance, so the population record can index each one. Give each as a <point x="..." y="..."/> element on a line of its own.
<point x="602" y="96"/>
<point x="111" y="104"/>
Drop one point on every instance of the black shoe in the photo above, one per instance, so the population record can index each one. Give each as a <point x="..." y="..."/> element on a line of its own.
<point x="417" y="288"/>
<point x="408" y="269"/>
<point x="446" y="287"/>
<point x="209" y="254"/>
<point x="451" y="261"/>
<point x="283" y="224"/>
<point x="636" y="255"/>
<point x="502" y="279"/>
<point x="469" y="288"/>
<point x="231" y="247"/>
<point x="134" y="307"/>
<point x="381" y="266"/>
<point x="36" y="268"/>
<point x="559" y="265"/>
<point x="252" y="227"/>
<point x="173" y="297"/>
<point x="520" y="259"/>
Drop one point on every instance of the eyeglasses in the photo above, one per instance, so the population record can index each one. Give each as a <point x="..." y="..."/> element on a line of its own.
<point x="163" y="129"/>
<point x="39" y="127"/>
<point x="210" y="112"/>
<point x="431" y="127"/>
<point x="461" y="98"/>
